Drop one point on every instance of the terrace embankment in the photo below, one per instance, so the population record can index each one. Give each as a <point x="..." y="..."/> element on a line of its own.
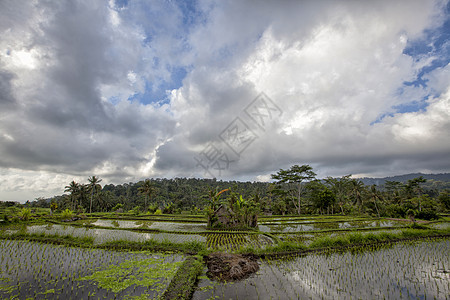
<point x="184" y="282"/>
<point x="338" y="247"/>
<point x="231" y="267"/>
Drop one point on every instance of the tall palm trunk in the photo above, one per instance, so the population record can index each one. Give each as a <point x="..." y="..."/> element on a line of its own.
<point x="376" y="206"/>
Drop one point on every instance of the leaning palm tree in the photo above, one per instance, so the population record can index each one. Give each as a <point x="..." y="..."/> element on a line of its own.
<point x="94" y="187"/>
<point x="147" y="190"/>
<point x="356" y="188"/>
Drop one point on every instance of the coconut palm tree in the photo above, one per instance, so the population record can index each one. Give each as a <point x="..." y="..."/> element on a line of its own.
<point x="147" y="189"/>
<point x="357" y="187"/>
<point x="93" y="187"/>
<point x="73" y="188"/>
<point x="83" y="195"/>
<point x="375" y="195"/>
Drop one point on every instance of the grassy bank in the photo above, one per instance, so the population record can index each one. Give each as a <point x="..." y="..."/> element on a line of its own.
<point x="348" y="241"/>
<point x="184" y="282"/>
<point x="88" y="242"/>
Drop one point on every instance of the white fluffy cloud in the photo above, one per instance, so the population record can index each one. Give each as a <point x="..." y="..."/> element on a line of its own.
<point x="81" y="86"/>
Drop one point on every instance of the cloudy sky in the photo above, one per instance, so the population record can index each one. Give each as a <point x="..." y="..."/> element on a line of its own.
<point x="128" y="90"/>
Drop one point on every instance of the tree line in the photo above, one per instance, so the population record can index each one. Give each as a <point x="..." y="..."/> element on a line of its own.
<point x="293" y="191"/>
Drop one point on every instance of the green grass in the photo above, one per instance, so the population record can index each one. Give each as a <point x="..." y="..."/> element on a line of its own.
<point x="191" y="247"/>
<point x="286" y="246"/>
<point x="372" y="238"/>
<point x="184" y="282"/>
<point x="354" y="239"/>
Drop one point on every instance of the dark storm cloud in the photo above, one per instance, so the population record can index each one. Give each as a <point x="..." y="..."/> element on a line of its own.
<point x="64" y="123"/>
<point x="76" y="78"/>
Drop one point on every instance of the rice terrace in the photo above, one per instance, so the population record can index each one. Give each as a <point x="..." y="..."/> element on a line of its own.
<point x="295" y="238"/>
<point x="225" y="149"/>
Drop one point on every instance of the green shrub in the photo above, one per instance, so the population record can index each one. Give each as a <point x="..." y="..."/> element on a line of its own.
<point x="136" y="210"/>
<point x="395" y="211"/>
<point x="67" y="214"/>
<point x="444" y="199"/>
<point x="427" y="214"/>
<point x="53" y="206"/>
<point x="117" y="207"/>
<point x="158" y="212"/>
<point x="25" y="214"/>
<point x="169" y="208"/>
<point x="4" y="218"/>
<point x="152" y="208"/>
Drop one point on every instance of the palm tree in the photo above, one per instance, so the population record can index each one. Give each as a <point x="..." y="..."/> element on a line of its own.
<point x="341" y="188"/>
<point x="73" y="188"/>
<point x="357" y="187"/>
<point x="82" y="194"/>
<point x="104" y="202"/>
<point x="414" y="189"/>
<point x="375" y="196"/>
<point x="147" y="189"/>
<point x="94" y="187"/>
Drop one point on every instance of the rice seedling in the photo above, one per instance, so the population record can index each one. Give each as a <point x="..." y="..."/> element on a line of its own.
<point x="235" y="241"/>
<point x="403" y="271"/>
<point x="37" y="270"/>
<point x="40" y="270"/>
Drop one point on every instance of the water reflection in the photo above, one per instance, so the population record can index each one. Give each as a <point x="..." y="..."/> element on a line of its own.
<point x="107" y="235"/>
<point x="317" y="226"/>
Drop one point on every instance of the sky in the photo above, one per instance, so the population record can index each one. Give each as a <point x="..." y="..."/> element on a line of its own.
<point x="233" y="90"/>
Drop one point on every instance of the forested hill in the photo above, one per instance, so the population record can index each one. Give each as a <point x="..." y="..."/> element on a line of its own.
<point x="445" y="177"/>
<point x="189" y="193"/>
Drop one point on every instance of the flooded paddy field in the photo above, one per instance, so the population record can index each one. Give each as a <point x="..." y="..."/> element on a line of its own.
<point x="403" y="271"/>
<point x="311" y="225"/>
<point x="42" y="271"/>
<point x="301" y="230"/>
<point x="156" y="225"/>
<point x="101" y="236"/>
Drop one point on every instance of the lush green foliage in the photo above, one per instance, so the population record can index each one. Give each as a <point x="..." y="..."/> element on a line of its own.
<point x="25" y="214"/>
<point x="67" y="214"/>
<point x="233" y="213"/>
<point x="295" y="191"/>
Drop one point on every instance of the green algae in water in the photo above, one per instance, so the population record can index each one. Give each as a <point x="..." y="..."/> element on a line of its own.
<point x="33" y="270"/>
<point x="51" y="291"/>
<point x="152" y="273"/>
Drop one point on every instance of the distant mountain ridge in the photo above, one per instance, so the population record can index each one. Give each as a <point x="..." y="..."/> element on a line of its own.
<point x="404" y="178"/>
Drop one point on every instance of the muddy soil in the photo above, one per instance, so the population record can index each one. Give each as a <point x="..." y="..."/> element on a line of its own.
<point x="230" y="267"/>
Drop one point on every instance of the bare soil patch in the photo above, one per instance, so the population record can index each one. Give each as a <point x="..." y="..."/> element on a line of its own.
<point x="231" y="267"/>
